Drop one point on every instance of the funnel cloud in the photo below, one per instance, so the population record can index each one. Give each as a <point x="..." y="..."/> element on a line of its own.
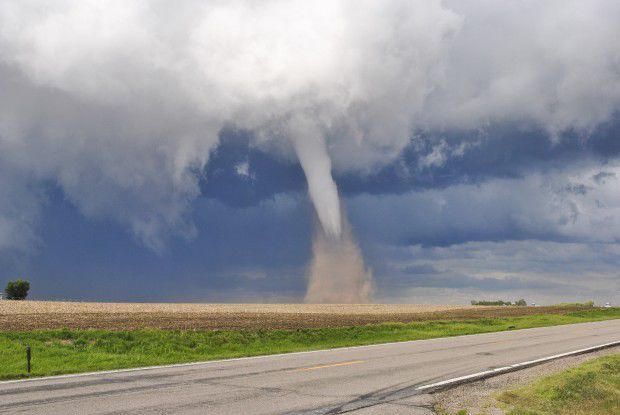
<point x="312" y="153"/>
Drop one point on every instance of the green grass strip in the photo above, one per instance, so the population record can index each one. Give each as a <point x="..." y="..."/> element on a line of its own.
<point x="57" y="352"/>
<point x="590" y="389"/>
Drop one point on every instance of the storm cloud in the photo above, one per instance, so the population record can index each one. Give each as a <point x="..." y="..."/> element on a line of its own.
<point x="505" y="112"/>
<point x="131" y="97"/>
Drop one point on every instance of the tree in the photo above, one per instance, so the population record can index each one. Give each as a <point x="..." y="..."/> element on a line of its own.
<point x="17" y="290"/>
<point x="521" y="302"/>
<point x="491" y="303"/>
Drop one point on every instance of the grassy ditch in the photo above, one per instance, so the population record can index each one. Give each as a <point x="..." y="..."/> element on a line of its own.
<point x="590" y="389"/>
<point x="72" y="351"/>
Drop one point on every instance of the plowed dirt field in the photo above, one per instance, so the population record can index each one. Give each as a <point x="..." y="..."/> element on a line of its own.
<point x="33" y="315"/>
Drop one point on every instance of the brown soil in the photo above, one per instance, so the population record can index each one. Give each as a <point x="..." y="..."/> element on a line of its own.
<point x="33" y="315"/>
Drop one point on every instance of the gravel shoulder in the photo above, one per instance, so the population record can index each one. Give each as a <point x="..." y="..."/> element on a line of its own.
<point x="479" y="398"/>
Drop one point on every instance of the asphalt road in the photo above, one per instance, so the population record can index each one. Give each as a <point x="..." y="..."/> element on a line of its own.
<point x="380" y="379"/>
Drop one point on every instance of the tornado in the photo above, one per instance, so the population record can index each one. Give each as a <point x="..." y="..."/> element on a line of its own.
<point x="336" y="273"/>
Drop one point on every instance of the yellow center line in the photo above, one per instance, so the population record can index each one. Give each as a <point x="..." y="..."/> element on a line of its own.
<point x="305" y="369"/>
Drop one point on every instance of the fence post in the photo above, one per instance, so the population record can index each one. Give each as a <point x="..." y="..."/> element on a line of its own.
<point x="28" y="356"/>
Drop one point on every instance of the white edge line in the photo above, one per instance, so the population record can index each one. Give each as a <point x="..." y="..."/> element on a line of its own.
<point x="499" y="370"/>
<point x="265" y="356"/>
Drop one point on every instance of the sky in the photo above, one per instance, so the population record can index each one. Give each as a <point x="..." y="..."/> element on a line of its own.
<point x="281" y="151"/>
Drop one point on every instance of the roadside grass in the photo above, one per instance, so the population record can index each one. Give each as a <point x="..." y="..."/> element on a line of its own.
<point x="590" y="389"/>
<point x="65" y="351"/>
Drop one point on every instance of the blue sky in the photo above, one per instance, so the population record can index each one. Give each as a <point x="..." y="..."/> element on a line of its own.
<point x="193" y="153"/>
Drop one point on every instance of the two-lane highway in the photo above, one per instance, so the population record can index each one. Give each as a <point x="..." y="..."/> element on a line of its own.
<point x="379" y="379"/>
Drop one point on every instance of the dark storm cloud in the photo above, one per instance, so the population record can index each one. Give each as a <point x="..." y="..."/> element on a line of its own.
<point x="425" y="269"/>
<point x="508" y="151"/>
<point x="600" y="177"/>
<point x="464" y="281"/>
<point x="266" y="175"/>
<point x="566" y="205"/>
<point x="251" y="254"/>
<point x="446" y="124"/>
<point x="461" y="158"/>
<point x="544" y="272"/>
<point x="426" y="275"/>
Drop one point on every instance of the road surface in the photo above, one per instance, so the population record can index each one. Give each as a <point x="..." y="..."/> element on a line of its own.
<point x="379" y="379"/>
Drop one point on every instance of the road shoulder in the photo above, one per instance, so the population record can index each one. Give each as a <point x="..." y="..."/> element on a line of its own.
<point x="480" y="397"/>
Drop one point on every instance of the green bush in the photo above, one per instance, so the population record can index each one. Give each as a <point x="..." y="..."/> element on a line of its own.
<point x="491" y="303"/>
<point x="17" y="290"/>
<point x="520" y="302"/>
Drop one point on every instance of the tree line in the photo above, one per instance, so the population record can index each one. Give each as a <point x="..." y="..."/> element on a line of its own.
<point x="520" y="302"/>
